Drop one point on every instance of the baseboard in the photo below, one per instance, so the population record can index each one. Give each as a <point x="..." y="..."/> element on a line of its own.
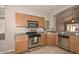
<point x="7" y="51"/>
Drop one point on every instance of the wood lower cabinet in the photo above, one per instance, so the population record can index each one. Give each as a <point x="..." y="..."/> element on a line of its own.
<point x="74" y="44"/>
<point x="52" y="39"/>
<point x="21" y="44"/>
<point x="43" y="40"/>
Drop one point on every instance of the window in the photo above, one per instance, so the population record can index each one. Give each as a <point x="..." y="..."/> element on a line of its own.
<point x="2" y="23"/>
<point x="47" y="25"/>
<point x="73" y="27"/>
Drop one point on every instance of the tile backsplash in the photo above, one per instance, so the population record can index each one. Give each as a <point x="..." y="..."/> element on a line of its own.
<point x="24" y="30"/>
<point x="21" y="30"/>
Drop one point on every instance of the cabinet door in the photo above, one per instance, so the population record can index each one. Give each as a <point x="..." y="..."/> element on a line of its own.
<point x="49" y="40"/>
<point x="74" y="44"/>
<point x="41" y="22"/>
<point x="43" y="40"/>
<point x="20" y="19"/>
<point x="21" y="44"/>
<point x="52" y="39"/>
<point x="77" y="45"/>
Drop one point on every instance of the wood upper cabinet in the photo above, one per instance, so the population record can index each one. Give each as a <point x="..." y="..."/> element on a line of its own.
<point x="21" y="44"/>
<point x="74" y="44"/>
<point x="43" y="40"/>
<point x="20" y="19"/>
<point x="52" y="39"/>
<point x="41" y="22"/>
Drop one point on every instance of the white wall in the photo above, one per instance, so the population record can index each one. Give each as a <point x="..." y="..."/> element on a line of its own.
<point x="9" y="43"/>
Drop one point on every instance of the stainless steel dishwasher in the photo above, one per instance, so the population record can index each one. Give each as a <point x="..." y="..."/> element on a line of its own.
<point x="63" y="41"/>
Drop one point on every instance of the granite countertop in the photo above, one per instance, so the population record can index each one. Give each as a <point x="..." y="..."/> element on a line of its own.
<point x="2" y="33"/>
<point x="69" y="33"/>
<point x="19" y="34"/>
<point x="51" y="31"/>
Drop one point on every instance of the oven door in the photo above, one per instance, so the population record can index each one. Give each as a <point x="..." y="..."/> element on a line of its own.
<point x="34" y="41"/>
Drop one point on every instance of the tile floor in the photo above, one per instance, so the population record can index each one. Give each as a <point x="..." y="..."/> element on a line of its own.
<point x="49" y="50"/>
<point x="46" y="50"/>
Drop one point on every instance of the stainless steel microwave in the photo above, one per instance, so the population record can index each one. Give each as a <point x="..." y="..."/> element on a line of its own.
<point x="33" y="24"/>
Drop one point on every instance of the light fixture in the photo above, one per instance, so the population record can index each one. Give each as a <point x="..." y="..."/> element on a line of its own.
<point x="73" y="21"/>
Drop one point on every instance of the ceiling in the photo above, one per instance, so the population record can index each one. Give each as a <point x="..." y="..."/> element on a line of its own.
<point x="52" y="9"/>
<point x="48" y="8"/>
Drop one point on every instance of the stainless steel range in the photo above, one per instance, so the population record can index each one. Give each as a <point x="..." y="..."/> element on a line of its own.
<point x="34" y="39"/>
<point x="34" y="36"/>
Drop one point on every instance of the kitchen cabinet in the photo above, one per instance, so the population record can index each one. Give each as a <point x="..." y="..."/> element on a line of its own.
<point x="43" y="40"/>
<point x="41" y="22"/>
<point x="74" y="44"/>
<point x="31" y="18"/>
<point x="20" y="19"/>
<point x="21" y="44"/>
<point x="52" y="39"/>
